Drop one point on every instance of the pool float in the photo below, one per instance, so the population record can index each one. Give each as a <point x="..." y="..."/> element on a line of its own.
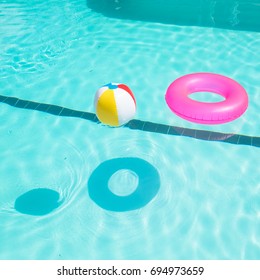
<point x="234" y="105"/>
<point x="115" y="104"/>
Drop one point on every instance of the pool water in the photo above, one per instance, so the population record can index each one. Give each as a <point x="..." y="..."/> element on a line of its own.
<point x="158" y="188"/>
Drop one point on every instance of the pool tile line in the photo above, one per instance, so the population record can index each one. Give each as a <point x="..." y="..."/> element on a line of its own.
<point x="135" y="124"/>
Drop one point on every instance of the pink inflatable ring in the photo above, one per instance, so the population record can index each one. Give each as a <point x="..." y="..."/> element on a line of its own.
<point x="234" y="105"/>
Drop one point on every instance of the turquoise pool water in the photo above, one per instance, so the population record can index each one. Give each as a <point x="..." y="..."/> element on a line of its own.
<point x="171" y="195"/>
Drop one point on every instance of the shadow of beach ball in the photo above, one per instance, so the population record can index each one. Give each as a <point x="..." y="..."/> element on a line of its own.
<point x="123" y="184"/>
<point x="38" y="202"/>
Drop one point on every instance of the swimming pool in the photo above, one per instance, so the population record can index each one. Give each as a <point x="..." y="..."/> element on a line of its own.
<point x="200" y="184"/>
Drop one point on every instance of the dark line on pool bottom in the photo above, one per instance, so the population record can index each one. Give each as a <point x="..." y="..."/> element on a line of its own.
<point x="231" y="138"/>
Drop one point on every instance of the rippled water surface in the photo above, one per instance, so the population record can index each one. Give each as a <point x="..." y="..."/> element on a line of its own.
<point x="187" y="198"/>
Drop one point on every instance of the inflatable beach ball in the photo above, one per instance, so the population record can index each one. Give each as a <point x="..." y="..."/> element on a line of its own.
<point x="115" y="104"/>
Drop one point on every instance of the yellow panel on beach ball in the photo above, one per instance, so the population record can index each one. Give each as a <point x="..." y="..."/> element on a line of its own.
<point x="106" y="108"/>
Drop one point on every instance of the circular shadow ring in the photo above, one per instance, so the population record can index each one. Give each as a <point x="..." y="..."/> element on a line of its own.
<point x="148" y="186"/>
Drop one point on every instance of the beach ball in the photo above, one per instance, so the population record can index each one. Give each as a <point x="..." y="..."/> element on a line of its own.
<point x="115" y="104"/>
